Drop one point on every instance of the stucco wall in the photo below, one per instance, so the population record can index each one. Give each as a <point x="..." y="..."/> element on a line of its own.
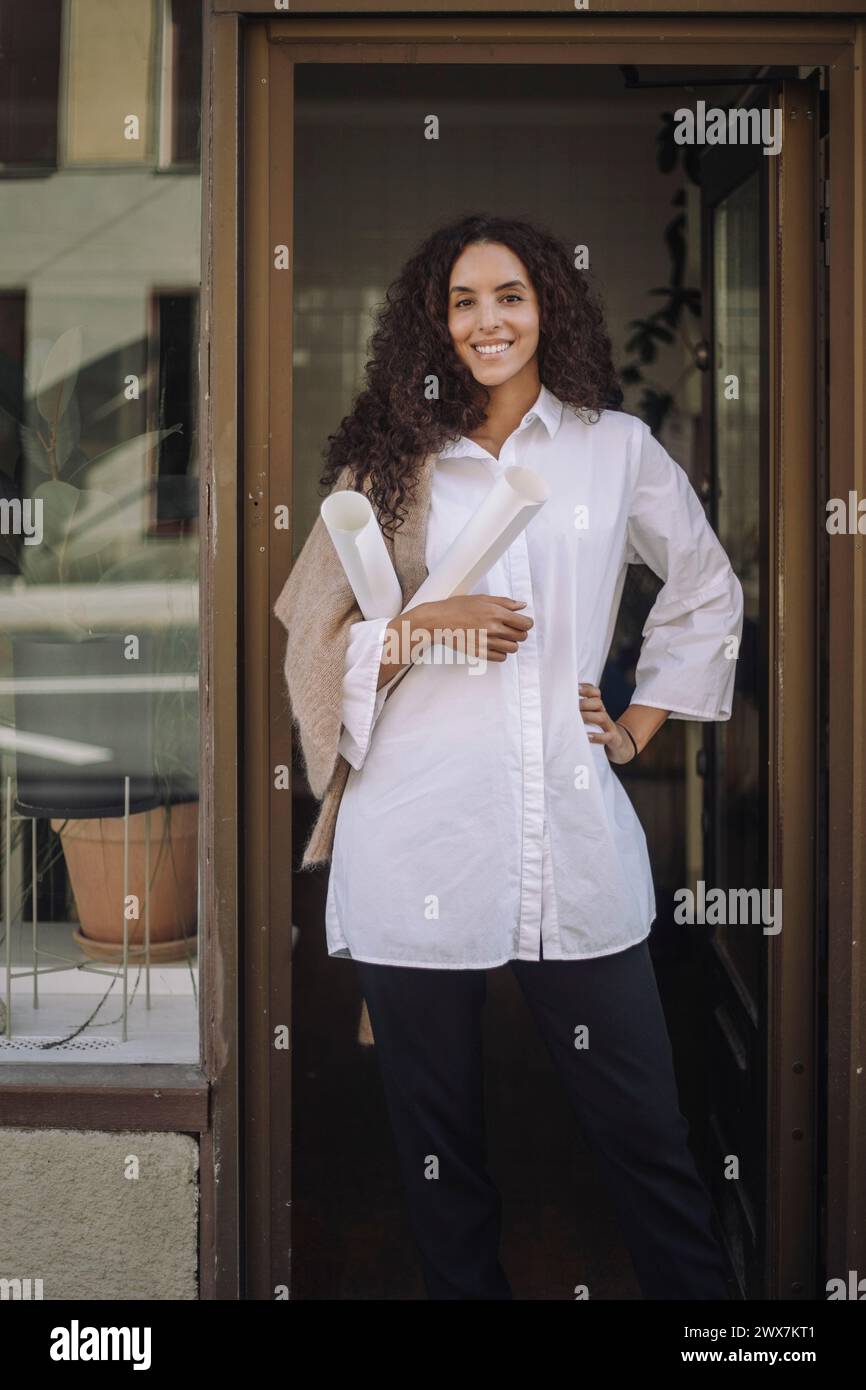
<point x="101" y="1216"/>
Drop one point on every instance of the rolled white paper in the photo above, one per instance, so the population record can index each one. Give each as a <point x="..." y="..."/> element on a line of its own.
<point x="515" y="498"/>
<point x="361" y="547"/>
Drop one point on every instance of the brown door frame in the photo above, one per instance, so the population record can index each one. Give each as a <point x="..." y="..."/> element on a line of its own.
<point x="267" y="484"/>
<point x="793" y="1079"/>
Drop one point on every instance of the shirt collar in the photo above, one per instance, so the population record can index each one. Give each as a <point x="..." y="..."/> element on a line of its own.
<point x="547" y="408"/>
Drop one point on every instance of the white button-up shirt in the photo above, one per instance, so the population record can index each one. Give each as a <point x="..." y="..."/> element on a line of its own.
<point x="478" y="820"/>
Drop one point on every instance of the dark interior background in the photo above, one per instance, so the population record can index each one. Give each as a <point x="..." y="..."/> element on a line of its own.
<point x="591" y="157"/>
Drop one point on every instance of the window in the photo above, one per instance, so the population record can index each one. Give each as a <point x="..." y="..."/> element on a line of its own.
<point x="99" y="639"/>
<point x="29" y="75"/>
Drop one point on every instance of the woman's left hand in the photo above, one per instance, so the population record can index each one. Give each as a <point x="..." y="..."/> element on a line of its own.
<point x="618" y="745"/>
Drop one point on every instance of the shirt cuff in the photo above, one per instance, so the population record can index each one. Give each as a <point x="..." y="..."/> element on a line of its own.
<point x="362" y="702"/>
<point x="688" y="659"/>
<point x="712" y="712"/>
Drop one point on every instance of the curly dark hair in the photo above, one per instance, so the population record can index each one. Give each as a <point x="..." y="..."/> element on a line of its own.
<point x="393" y="425"/>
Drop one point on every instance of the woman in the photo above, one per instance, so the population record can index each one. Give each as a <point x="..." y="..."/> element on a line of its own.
<point x="470" y="810"/>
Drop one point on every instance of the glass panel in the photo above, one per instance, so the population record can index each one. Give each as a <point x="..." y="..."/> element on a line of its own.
<point x="99" y="542"/>
<point x="736" y="287"/>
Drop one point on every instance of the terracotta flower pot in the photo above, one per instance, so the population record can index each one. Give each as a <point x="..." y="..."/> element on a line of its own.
<point x="93" y="850"/>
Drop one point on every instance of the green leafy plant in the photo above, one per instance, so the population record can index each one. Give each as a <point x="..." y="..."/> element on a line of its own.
<point x="93" y="535"/>
<point x="86" y="527"/>
<point x="678" y="300"/>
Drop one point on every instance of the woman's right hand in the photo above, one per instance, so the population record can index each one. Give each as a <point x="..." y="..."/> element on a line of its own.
<point x="493" y="614"/>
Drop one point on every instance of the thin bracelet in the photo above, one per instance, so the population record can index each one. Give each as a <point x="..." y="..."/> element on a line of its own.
<point x="631" y="735"/>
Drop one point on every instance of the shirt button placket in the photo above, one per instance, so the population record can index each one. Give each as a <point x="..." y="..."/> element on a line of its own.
<point x="532" y="840"/>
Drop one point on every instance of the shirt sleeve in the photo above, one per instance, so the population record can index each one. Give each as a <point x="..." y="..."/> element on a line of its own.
<point x="362" y="702"/>
<point x="692" y="635"/>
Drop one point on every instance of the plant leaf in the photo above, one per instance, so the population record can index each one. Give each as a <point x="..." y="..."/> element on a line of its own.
<point x="76" y="522"/>
<point x="130" y="451"/>
<point x="58" y="377"/>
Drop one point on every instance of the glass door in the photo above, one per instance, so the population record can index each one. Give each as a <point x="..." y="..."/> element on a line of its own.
<point x="759" y="482"/>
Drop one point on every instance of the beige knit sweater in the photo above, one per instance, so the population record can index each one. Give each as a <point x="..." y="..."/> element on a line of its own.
<point x="317" y="608"/>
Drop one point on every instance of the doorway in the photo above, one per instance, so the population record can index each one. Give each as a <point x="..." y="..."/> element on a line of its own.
<point x="342" y="173"/>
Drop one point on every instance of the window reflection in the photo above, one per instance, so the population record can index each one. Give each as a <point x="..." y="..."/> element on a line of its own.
<point x="99" y="653"/>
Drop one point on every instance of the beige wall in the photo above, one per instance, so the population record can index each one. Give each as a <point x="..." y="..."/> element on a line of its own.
<point x="100" y="1216"/>
<point x="110" y="58"/>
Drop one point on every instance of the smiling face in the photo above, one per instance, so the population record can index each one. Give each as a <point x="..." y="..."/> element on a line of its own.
<point x="493" y="314"/>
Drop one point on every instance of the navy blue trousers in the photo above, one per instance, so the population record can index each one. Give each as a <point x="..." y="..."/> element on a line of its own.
<point x="427" y="1025"/>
